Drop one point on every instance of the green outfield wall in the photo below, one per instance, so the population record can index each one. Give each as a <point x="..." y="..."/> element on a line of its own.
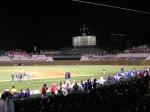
<point x="69" y="62"/>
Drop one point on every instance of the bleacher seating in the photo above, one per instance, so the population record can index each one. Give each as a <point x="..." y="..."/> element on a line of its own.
<point x="26" y="58"/>
<point x="120" y="56"/>
<point x="4" y="58"/>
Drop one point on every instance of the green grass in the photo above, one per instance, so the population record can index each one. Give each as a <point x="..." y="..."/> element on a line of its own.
<point x="84" y="72"/>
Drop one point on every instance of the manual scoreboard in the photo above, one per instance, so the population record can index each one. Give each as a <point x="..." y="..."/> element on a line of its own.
<point x="84" y="41"/>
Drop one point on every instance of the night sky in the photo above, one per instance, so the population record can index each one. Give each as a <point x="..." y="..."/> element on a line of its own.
<point x="51" y="25"/>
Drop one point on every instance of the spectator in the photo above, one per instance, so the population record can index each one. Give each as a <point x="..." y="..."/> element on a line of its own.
<point x="3" y="104"/>
<point x="10" y="103"/>
<point x="21" y="94"/>
<point x="44" y="91"/>
<point x="89" y="85"/>
<point x="139" y="75"/>
<point x="101" y="80"/>
<point x="65" y="88"/>
<point x="82" y="86"/>
<point x="27" y="93"/>
<point x="75" y="87"/>
<point x="94" y="84"/>
<point x="134" y="72"/>
<point x="60" y="88"/>
<point x="86" y="86"/>
<point x="13" y="90"/>
<point x="53" y="89"/>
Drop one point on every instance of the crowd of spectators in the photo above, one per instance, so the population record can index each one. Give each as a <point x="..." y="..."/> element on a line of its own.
<point x="23" y="56"/>
<point x="139" y="49"/>
<point x="121" y="96"/>
<point x="87" y="54"/>
<point x="116" y="93"/>
<point x="96" y="57"/>
<point x="9" y="96"/>
<point x="119" y="56"/>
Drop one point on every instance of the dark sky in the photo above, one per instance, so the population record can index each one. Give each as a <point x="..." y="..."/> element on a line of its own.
<point x="51" y="25"/>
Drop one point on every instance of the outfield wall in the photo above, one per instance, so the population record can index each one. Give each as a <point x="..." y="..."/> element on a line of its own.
<point x="27" y="63"/>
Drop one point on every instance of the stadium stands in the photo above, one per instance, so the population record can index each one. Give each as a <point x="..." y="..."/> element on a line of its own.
<point x="26" y="58"/>
<point x="120" y="56"/>
<point x="4" y="58"/>
<point x="77" y="53"/>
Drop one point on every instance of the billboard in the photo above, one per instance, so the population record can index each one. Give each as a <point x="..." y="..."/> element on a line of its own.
<point x="84" y="41"/>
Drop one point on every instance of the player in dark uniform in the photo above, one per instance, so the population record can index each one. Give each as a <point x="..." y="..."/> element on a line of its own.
<point x="17" y="76"/>
<point x="20" y="77"/>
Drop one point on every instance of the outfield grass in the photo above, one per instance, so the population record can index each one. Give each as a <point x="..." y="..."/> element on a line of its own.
<point x="83" y="72"/>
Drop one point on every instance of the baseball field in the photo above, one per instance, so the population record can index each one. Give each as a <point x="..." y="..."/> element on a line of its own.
<point x="54" y="74"/>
